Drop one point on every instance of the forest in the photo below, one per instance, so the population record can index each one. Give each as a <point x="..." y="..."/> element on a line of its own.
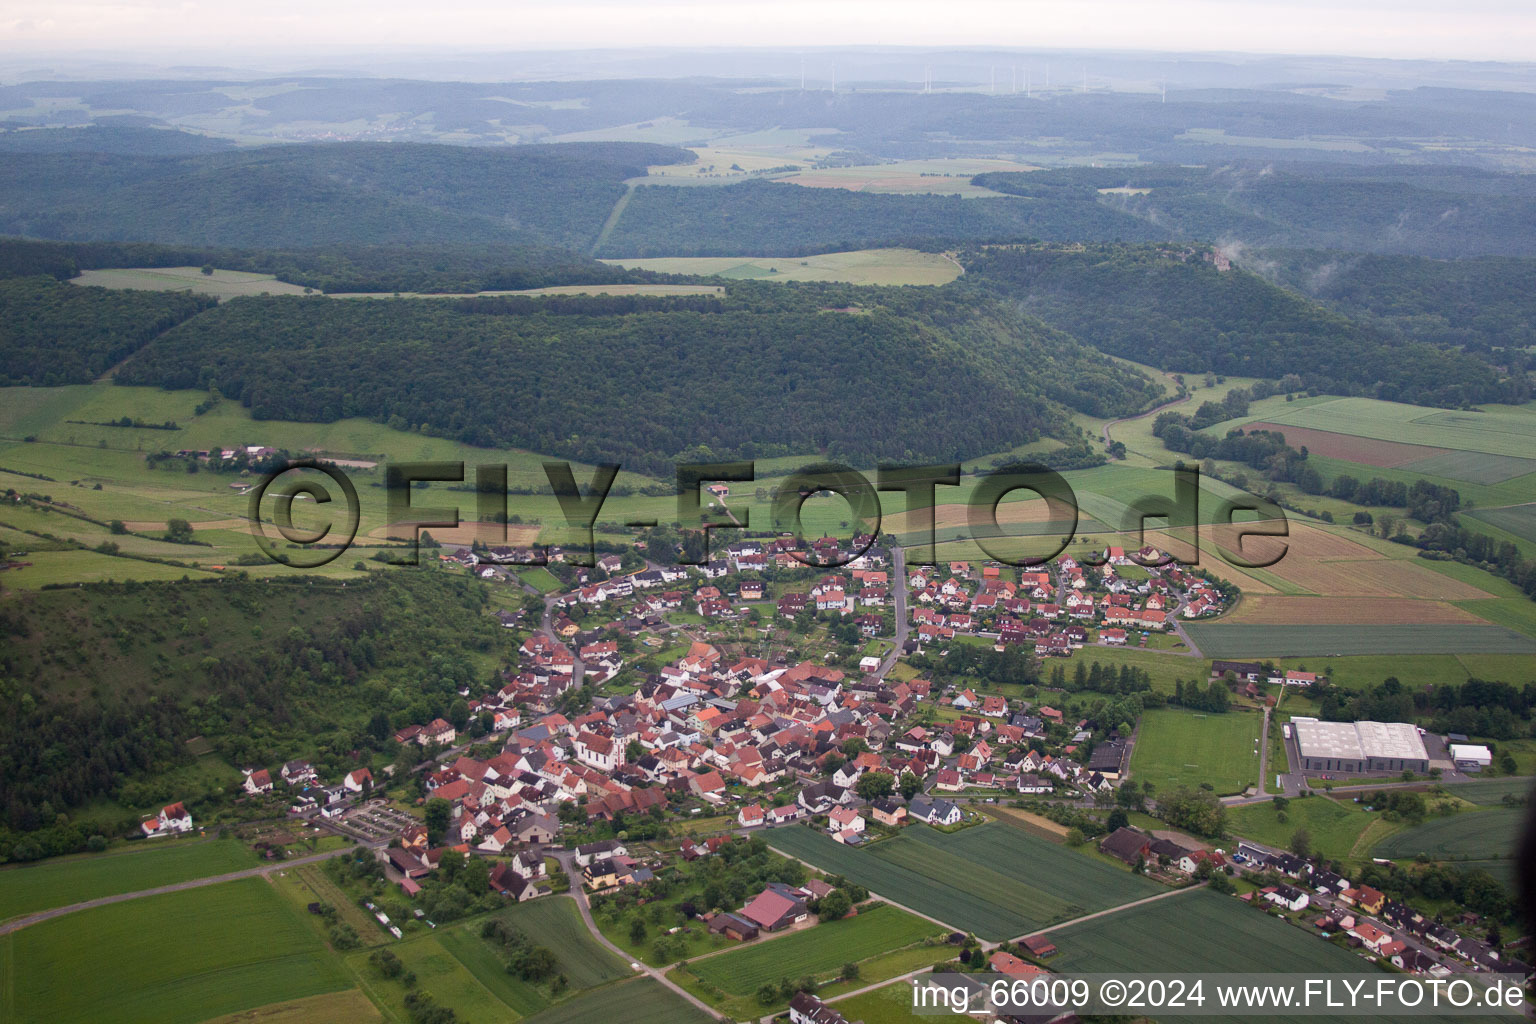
<point x="1486" y="304"/>
<point x="1445" y="212"/>
<point x="446" y="267"/>
<point x="228" y="660"/>
<point x="52" y="333"/>
<point x="778" y="369"/>
<point x="299" y="196"/>
<point x="763" y="218"/>
<point x="1171" y="306"/>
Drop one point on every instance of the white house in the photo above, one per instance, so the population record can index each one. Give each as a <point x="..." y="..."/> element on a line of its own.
<point x="846" y="819"/>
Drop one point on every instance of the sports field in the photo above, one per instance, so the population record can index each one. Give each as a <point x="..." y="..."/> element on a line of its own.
<point x="181" y="957"/>
<point x="994" y="880"/>
<point x="1185" y="748"/>
<point x="642" y="1001"/>
<point x="1487" y="833"/>
<point x="25" y="888"/>
<point x="859" y="266"/>
<point x="1236" y="640"/>
<point x="815" y="951"/>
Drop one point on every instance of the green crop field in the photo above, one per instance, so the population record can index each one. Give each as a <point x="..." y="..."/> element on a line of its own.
<point x="1219" y="640"/>
<point x="58" y="883"/>
<point x="993" y="880"/>
<point x="556" y="922"/>
<point x="488" y="965"/>
<point x="1335" y="825"/>
<point x="815" y="951"/>
<point x="642" y="1001"/>
<point x="863" y="266"/>
<point x="1469" y="834"/>
<point x="1519" y="520"/>
<point x="180" y="957"/>
<point x="1483" y="468"/>
<point x="1490" y="791"/>
<point x="1508" y="431"/>
<point x="1200" y="930"/>
<point x="1183" y="748"/>
<point x="441" y="974"/>
<point x="1196" y="930"/>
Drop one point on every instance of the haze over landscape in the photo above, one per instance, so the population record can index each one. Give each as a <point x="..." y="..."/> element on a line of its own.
<point x="533" y="512"/>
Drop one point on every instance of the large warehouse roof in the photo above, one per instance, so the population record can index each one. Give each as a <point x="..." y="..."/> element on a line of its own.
<point x="1358" y="740"/>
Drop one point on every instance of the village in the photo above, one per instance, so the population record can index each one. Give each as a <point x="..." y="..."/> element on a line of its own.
<point x="788" y="695"/>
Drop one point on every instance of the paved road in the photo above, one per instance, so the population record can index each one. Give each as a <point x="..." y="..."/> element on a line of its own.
<point x="899" y="579"/>
<point x="567" y="859"/>
<point x="1141" y="416"/>
<point x="192" y="883"/>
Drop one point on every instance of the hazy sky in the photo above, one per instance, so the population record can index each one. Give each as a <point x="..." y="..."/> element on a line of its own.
<point x="219" y="29"/>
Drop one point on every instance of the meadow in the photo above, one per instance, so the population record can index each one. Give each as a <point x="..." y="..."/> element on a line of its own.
<point x="642" y="1001"/>
<point x="1504" y="430"/>
<point x="557" y="923"/>
<point x="994" y="880"/>
<point x="860" y="266"/>
<point x="1335" y="825"/>
<point x="817" y="951"/>
<point x="1489" y="792"/>
<point x="1469" y="834"/>
<point x="59" y="882"/>
<point x="1177" y="748"/>
<point x="195" y="964"/>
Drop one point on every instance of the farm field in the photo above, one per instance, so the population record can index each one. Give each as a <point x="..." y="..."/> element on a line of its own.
<point x="1505" y="430"/>
<point x="859" y="266"/>
<point x="907" y="177"/>
<point x="973" y="879"/>
<point x="228" y="284"/>
<point x="349" y="1007"/>
<point x="1519" y="520"/>
<point x="816" y="951"/>
<point x="1237" y="640"/>
<point x="196" y="965"/>
<point x="1335" y="825"/>
<point x="439" y="973"/>
<point x="556" y="922"/>
<point x="62" y="881"/>
<point x="1176" y="748"/>
<point x="642" y="1001"/>
<point x="1491" y="791"/>
<point x="1469" y="834"/>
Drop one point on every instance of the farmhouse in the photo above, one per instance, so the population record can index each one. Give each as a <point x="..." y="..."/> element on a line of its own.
<point x="807" y="1009"/>
<point x="772" y="911"/>
<point x="1359" y="746"/>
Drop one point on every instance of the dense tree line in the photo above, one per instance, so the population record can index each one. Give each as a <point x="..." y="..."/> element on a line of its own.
<point x="52" y="333"/>
<point x="1453" y="541"/>
<point x="776" y="371"/>
<point x="1477" y="707"/>
<point x="1170" y="306"/>
<point x="1268" y="452"/>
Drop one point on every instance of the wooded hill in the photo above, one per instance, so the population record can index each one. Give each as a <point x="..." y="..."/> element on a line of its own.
<point x="101" y="686"/>
<point x="52" y="333"/>
<point x="309" y="195"/>
<point x="443" y="267"/>
<point x="1409" y="209"/>
<point x="1171" y="306"/>
<point x="774" y="369"/>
